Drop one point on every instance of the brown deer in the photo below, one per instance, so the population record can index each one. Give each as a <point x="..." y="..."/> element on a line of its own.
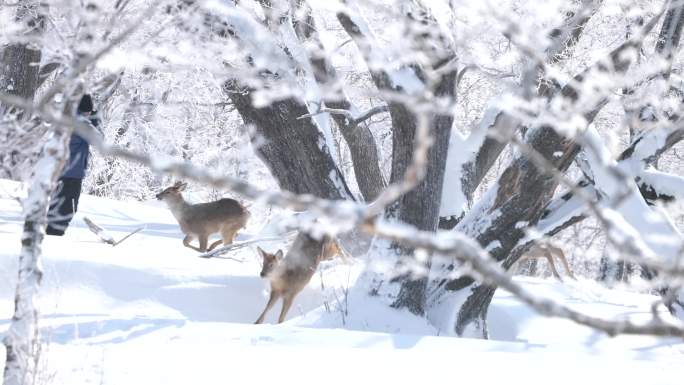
<point x="224" y="216"/>
<point x="547" y="250"/>
<point x="290" y="275"/>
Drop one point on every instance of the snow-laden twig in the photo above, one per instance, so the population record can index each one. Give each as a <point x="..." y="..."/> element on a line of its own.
<point x="104" y="235"/>
<point x="217" y="253"/>
<point x="370" y="113"/>
<point x="353" y="119"/>
<point x="472" y="255"/>
<point x="84" y="63"/>
<point x="346" y="214"/>
<point x="618" y="232"/>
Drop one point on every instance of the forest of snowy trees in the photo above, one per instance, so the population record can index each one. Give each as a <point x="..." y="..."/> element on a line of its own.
<point x="452" y="135"/>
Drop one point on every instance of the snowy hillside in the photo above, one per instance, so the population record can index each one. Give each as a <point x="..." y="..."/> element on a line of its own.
<point x="148" y="311"/>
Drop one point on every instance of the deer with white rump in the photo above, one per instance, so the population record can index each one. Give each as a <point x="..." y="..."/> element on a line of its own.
<point x="225" y="216"/>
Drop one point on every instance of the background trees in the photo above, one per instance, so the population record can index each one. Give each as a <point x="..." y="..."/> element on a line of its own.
<point x="499" y="123"/>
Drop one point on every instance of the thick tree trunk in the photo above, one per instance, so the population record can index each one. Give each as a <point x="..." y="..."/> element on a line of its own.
<point x="19" y="75"/>
<point x="520" y="196"/>
<point x="362" y="146"/>
<point x="669" y="36"/>
<point x="419" y="207"/>
<point x="363" y="150"/>
<point x="473" y="169"/>
<point x="294" y="149"/>
<point x="290" y="143"/>
<point x="295" y="152"/>
<point x="20" y="62"/>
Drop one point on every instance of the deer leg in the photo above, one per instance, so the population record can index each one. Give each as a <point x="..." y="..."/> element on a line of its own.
<point x="213" y="245"/>
<point x="271" y="301"/>
<point x="552" y="265"/>
<point x="567" y="266"/>
<point x="186" y="242"/>
<point x="233" y="235"/>
<point x="203" y="240"/>
<point x="287" y="302"/>
<point x="229" y="233"/>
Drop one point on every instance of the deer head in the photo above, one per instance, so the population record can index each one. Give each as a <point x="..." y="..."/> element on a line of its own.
<point x="270" y="261"/>
<point x="173" y="191"/>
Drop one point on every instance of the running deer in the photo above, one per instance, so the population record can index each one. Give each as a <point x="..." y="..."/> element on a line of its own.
<point x="547" y="250"/>
<point x="289" y="275"/>
<point x="224" y="216"/>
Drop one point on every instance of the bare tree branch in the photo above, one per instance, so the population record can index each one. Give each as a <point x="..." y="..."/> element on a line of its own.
<point x="351" y="118"/>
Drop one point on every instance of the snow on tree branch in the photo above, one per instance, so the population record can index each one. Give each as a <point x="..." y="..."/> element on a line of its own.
<point x="475" y="258"/>
<point x="346" y="213"/>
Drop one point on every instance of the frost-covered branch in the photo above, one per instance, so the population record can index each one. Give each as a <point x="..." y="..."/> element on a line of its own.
<point x="346" y="213"/>
<point x="467" y="168"/>
<point x="471" y="255"/>
<point x="83" y="63"/>
<point x="267" y="58"/>
<point x="660" y="186"/>
<point x="369" y="113"/>
<point x="361" y="142"/>
<point x="353" y="120"/>
<point x="617" y="230"/>
<point x="523" y="189"/>
<point x="634" y="160"/>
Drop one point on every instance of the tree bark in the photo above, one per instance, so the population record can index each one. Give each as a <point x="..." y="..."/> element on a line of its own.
<point x="359" y="139"/>
<point x="293" y="149"/>
<point x="473" y="170"/>
<point x="19" y="76"/>
<point x="20" y="61"/>
<point x="22" y="341"/>
<point x="495" y="222"/>
<point x="292" y="146"/>
<point x="641" y="117"/>
<point x="419" y="207"/>
<point x="666" y="47"/>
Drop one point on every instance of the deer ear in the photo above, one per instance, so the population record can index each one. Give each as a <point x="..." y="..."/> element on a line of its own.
<point x="182" y="186"/>
<point x="279" y="255"/>
<point x="261" y="252"/>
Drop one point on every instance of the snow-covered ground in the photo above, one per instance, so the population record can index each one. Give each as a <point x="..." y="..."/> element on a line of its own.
<point x="148" y="311"/>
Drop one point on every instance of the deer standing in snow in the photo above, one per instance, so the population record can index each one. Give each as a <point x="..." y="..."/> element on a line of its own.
<point x="547" y="250"/>
<point x="224" y="216"/>
<point x="288" y="276"/>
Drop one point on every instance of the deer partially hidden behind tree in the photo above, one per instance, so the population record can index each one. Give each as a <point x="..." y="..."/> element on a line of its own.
<point x="225" y="216"/>
<point x="289" y="275"/>
<point x="548" y="251"/>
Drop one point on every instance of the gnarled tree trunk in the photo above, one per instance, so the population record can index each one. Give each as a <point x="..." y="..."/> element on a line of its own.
<point x="520" y="195"/>
<point x="19" y="76"/>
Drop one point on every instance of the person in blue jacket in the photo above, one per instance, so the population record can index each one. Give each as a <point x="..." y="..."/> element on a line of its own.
<point x="64" y="201"/>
